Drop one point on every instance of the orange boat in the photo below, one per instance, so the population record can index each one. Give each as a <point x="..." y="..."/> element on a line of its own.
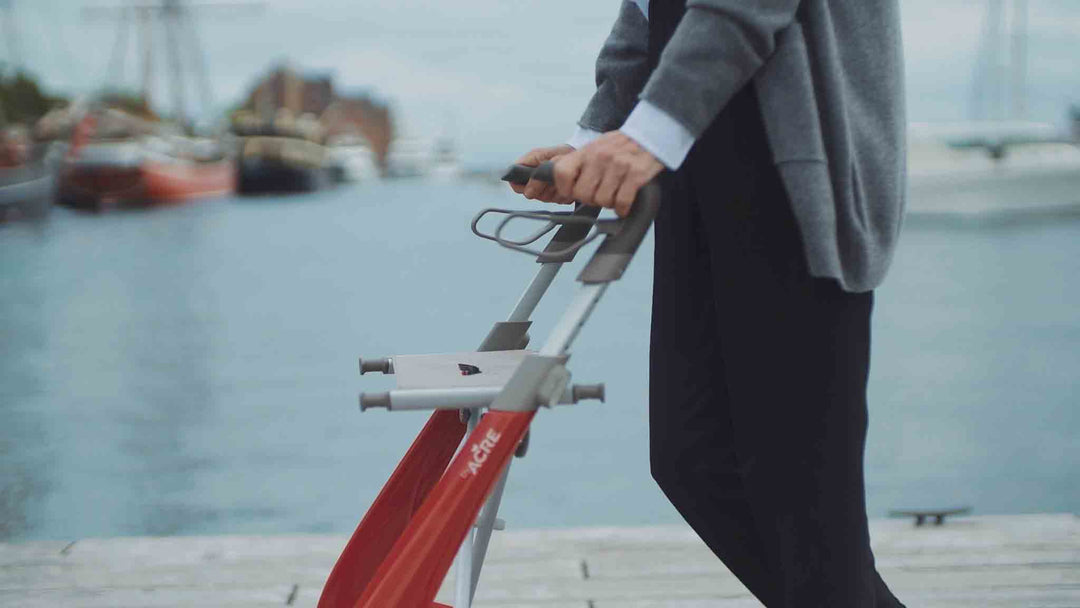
<point x="173" y="182"/>
<point x="133" y="171"/>
<point x="96" y="186"/>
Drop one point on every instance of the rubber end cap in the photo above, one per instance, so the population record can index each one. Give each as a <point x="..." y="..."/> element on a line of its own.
<point x="380" y="365"/>
<point x="370" y="400"/>
<point x="582" y="392"/>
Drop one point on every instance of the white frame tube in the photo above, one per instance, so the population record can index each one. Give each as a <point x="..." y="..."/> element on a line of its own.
<point x="536" y="290"/>
<point x="467" y="572"/>
<point x="463" y="587"/>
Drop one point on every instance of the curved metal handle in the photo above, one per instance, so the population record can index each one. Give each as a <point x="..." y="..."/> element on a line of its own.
<point x="614" y="255"/>
<point x="553" y="252"/>
<point x="507" y="242"/>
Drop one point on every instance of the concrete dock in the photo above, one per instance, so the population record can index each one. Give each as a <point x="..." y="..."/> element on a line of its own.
<point x="985" y="561"/>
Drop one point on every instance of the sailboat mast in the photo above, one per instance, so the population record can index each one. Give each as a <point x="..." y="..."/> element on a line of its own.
<point x="201" y="76"/>
<point x="115" y="70"/>
<point x="994" y="64"/>
<point x="181" y="41"/>
<point x="170" y="17"/>
<point x="1018" y="61"/>
<point x="146" y="38"/>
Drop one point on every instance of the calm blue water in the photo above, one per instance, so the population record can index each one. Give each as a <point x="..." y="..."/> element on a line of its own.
<point x="193" y="370"/>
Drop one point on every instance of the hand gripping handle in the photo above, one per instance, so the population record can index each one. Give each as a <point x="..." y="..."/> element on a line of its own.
<point x="571" y="235"/>
<point x="613" y="256"/>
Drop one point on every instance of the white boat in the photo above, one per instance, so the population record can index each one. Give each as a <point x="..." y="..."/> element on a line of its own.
<point x="999" y="165"/>
<point x="420" y="157"/>
<point x="352" y="160"/>
<point x="409" y="157"/>
<point x="445" y="163"/>
<point x="1021" y="179"/>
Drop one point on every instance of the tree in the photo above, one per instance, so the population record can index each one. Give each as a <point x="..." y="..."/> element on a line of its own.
<point x="21" y="99"/>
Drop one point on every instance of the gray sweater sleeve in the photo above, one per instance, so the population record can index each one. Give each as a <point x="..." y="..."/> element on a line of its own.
<point x="621" y="71"/>
<point x="717" y="47"/>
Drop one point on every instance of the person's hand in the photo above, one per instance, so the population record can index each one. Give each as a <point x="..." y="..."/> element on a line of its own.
<point x="537" y="190"/>
<point x="606" y="172"/>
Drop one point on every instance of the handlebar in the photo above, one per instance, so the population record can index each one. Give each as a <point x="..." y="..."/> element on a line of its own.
<point x="615" y="253"/>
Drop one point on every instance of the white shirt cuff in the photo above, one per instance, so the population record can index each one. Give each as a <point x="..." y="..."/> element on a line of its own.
<point x="581" y="137"/>
<point x="659" y="133"/>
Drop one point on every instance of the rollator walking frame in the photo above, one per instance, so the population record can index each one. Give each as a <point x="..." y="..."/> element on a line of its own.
<point x="433" y="509"/>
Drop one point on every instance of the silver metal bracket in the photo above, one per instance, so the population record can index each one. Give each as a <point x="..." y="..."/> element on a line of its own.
<point x="523" y="392"/>
<point x="553" y="387"/>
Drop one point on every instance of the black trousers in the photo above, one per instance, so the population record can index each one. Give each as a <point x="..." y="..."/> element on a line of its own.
<point x="758" y="409"/>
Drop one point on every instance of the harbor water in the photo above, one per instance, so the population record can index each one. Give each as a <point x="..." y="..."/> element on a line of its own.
<point x="192" y="369"/>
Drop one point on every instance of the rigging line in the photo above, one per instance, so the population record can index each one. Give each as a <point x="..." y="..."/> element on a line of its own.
<point x="146" y="39"/>
<point x="198" y="58"/>
<point x="979" y="71"/>
<point x="995" y="74"/>
<point x="171" y="11"/>
<point x="73" y="66"/>
<point x="1018" y="60"/>
<point x="115" y="68"/>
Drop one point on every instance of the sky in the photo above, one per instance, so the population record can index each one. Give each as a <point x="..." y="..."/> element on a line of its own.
<point x="499" y="76"/>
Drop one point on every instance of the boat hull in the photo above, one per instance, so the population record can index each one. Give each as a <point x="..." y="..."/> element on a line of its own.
<point x="267" y="175"/>
<point x="26" y="192"/>
<point x="151" y="183"/>
<point x="166" y="183"/>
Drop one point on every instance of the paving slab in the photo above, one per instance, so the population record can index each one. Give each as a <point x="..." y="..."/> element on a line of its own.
<point x="991" y="561"/>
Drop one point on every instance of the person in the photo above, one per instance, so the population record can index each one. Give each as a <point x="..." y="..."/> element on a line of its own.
<point x="780" y="124"/>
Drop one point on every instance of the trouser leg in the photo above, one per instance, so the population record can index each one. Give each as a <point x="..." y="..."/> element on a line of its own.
<point x="796" y="353"/>
<point x="758" y="387"/>
<point x="691" y="442"/>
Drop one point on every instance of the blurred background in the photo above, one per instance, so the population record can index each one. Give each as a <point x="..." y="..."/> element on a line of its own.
<point x="208" y="210"/>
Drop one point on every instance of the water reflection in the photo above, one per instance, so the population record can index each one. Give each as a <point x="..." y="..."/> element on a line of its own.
<point x="166" y="345"/>
<point x="24" y="456"/>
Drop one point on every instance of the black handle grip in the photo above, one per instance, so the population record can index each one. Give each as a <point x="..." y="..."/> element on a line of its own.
<point x="521" y="174"/>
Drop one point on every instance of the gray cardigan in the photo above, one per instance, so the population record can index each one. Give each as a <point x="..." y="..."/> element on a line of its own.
<point x="829" y="79"/>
